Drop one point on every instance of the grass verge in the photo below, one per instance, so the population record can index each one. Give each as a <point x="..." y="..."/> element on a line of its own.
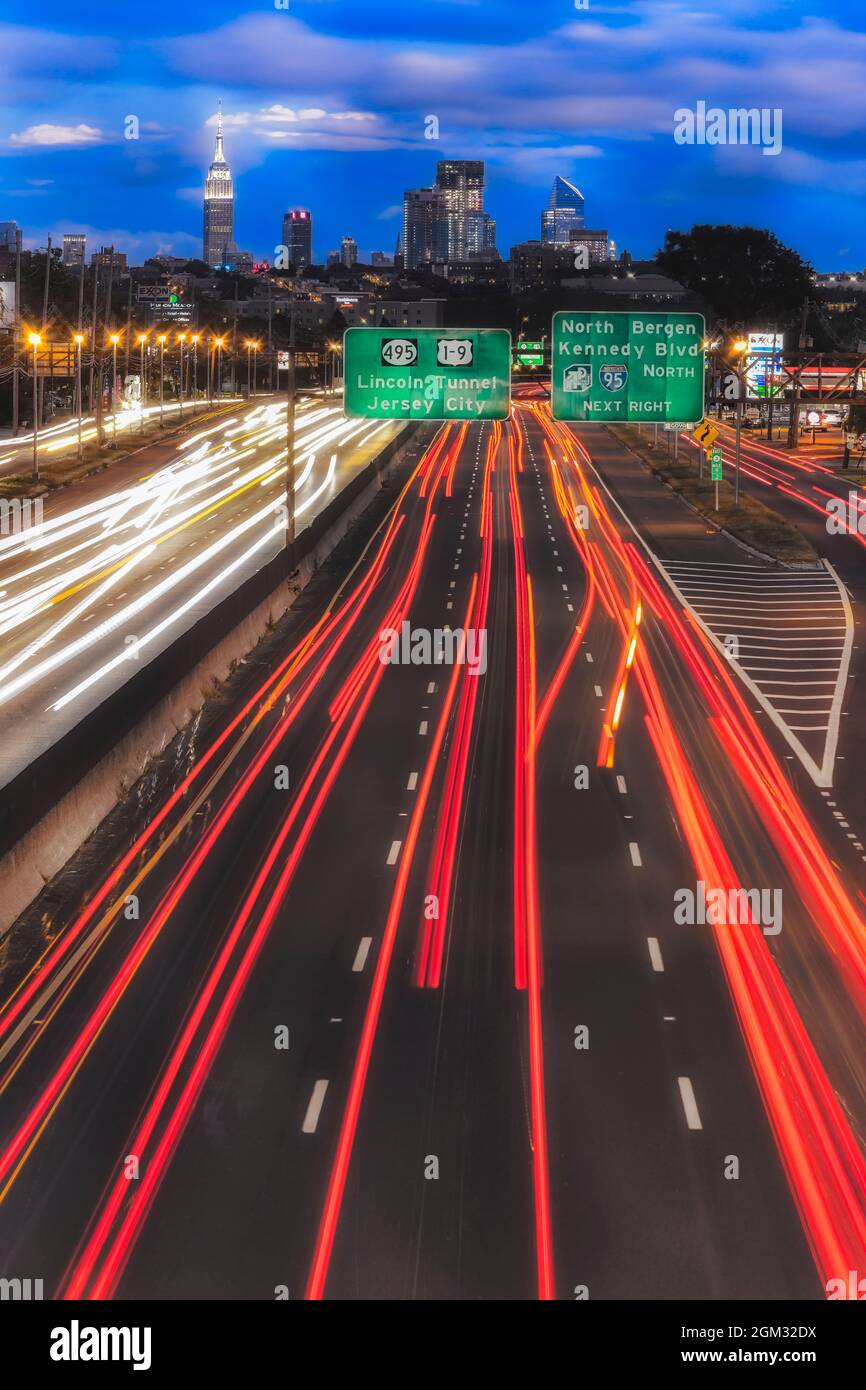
<point x="751" y="522"/>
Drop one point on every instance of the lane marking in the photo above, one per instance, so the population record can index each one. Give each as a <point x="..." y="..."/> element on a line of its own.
<point x="655" y="953"/>
<point x="362" y="953"/>
<point x="635" y="854"/>
<point x="394" y="852"/>
<point x="690" y="1105"/>
<point x="314" y="1109"/>
<point x="413" y="782"/>
<point x="621" y="786"/>
<point x="422" y="727"/>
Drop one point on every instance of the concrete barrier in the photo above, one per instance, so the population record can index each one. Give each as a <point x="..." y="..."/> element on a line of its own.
<point x="51" y="807"/>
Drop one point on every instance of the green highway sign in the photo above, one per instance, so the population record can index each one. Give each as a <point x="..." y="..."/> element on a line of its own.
<point x="716" y="470"/>
<point x="627" y="367"/>
<point x="427" y="373"/>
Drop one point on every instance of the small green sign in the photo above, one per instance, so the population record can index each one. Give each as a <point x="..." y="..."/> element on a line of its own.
<point x="716" y="470"/>
<point x="716" y="454"/>
<point x="427" y="373"/>
<point x="637" y="367"/>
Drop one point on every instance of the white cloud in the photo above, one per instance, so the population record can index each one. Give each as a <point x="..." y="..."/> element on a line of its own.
<point x="54" y="135"/>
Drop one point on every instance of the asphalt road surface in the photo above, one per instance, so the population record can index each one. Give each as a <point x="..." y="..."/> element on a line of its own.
<point x="387" y="996"/>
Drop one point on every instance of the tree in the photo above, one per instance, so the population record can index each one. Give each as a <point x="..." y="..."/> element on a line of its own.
<point x="745" y="275"/>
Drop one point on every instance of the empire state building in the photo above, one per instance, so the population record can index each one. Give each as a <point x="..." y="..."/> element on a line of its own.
<point x="219" y="205"/>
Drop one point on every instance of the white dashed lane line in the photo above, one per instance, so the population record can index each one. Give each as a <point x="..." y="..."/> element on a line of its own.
<point x="394" y="852"/>
<point x="620" y="785"/>
<point x="634" y="851"/>
<point x="314" y="1109"/>
<point x="361" y="954"/>
<point x="690" y="1105"/>
<point x="655" y="953"/>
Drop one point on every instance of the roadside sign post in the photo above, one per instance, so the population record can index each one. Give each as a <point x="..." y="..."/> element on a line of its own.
<point x="715" y="457"/>
<point x="427" y="373"/>
<point x="704" y="435"/>
<point x="627" y="368"/>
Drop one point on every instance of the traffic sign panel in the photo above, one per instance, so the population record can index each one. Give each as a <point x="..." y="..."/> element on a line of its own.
<point x="705" y="433"/>
<point x="636" y="367"/>
<point x="427" y="373"/>
<point x="716" y="467"/>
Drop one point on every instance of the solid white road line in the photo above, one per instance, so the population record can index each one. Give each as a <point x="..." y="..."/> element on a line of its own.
<point x="314" y="1109"/>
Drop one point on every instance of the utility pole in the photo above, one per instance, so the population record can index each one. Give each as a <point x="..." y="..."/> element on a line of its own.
<point x="16" y="332"/>
<point x="128" y="329"/>
<point x="290" y="437"/>
<point x="95" y="265"/>
<point x="270" y="337"/>
<point x="794" y="422"/>
<point x="44" y="323"/>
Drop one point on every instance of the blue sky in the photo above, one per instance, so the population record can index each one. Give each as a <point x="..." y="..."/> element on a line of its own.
<point x="326" y="101"/>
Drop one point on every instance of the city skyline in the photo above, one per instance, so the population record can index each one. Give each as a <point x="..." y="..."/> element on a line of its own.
<point x="330" y="109"/>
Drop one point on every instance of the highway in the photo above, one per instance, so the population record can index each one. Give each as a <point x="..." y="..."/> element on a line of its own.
<point x="381" y="993"/>
<point x="125" y="560"/>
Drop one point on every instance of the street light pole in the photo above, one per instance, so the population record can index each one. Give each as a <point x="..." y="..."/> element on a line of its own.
<point x="142" y="394"/>
<point x="181" y="338"/>
<point x="161" y="341"/>
<point x="290" y="437"/>
<point x="79" y="339"/>
<point x="195" y="338"/>
<point x="35" y="340"/>
<point x="114" y="341"/>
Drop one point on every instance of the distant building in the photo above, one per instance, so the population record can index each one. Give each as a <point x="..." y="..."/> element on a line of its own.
<point x="349" y="251"/>
<point x="298" y="237"/>
<point x="648" y="289"/>
<point x="596" y="244"/>
<point x="537" y="263"/>
<point x="564" y="212"/>
<point x="107" y="258"/>
<point x="425" y="231"/>
<point x="74" y="248"/>
<point x="477" y="270"/>
<point x="380" y="258"/>
<point x="334" y="258"/>
<point x="417" y="313"/>
<point x="8" y="235"/>
<point x="219" y="205"/>
<point x="460" y="183"/>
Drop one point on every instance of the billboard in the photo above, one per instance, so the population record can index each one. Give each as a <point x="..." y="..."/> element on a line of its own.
<point x="763" y="363"/>
<point x="7" y="303"/>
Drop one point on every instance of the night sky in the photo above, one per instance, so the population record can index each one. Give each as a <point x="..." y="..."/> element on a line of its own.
<point x="325" y="104"/>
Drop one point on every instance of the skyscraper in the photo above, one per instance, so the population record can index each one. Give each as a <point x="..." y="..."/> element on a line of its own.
<point x="460" y="183"/>
<point x="348" y="250"/>
<point x="298" y="237"/>
<point x="425" y="232"/>
<point x="564" y="212"/>
<point x="219" y="205"/>
<point x="74" y="244"/>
